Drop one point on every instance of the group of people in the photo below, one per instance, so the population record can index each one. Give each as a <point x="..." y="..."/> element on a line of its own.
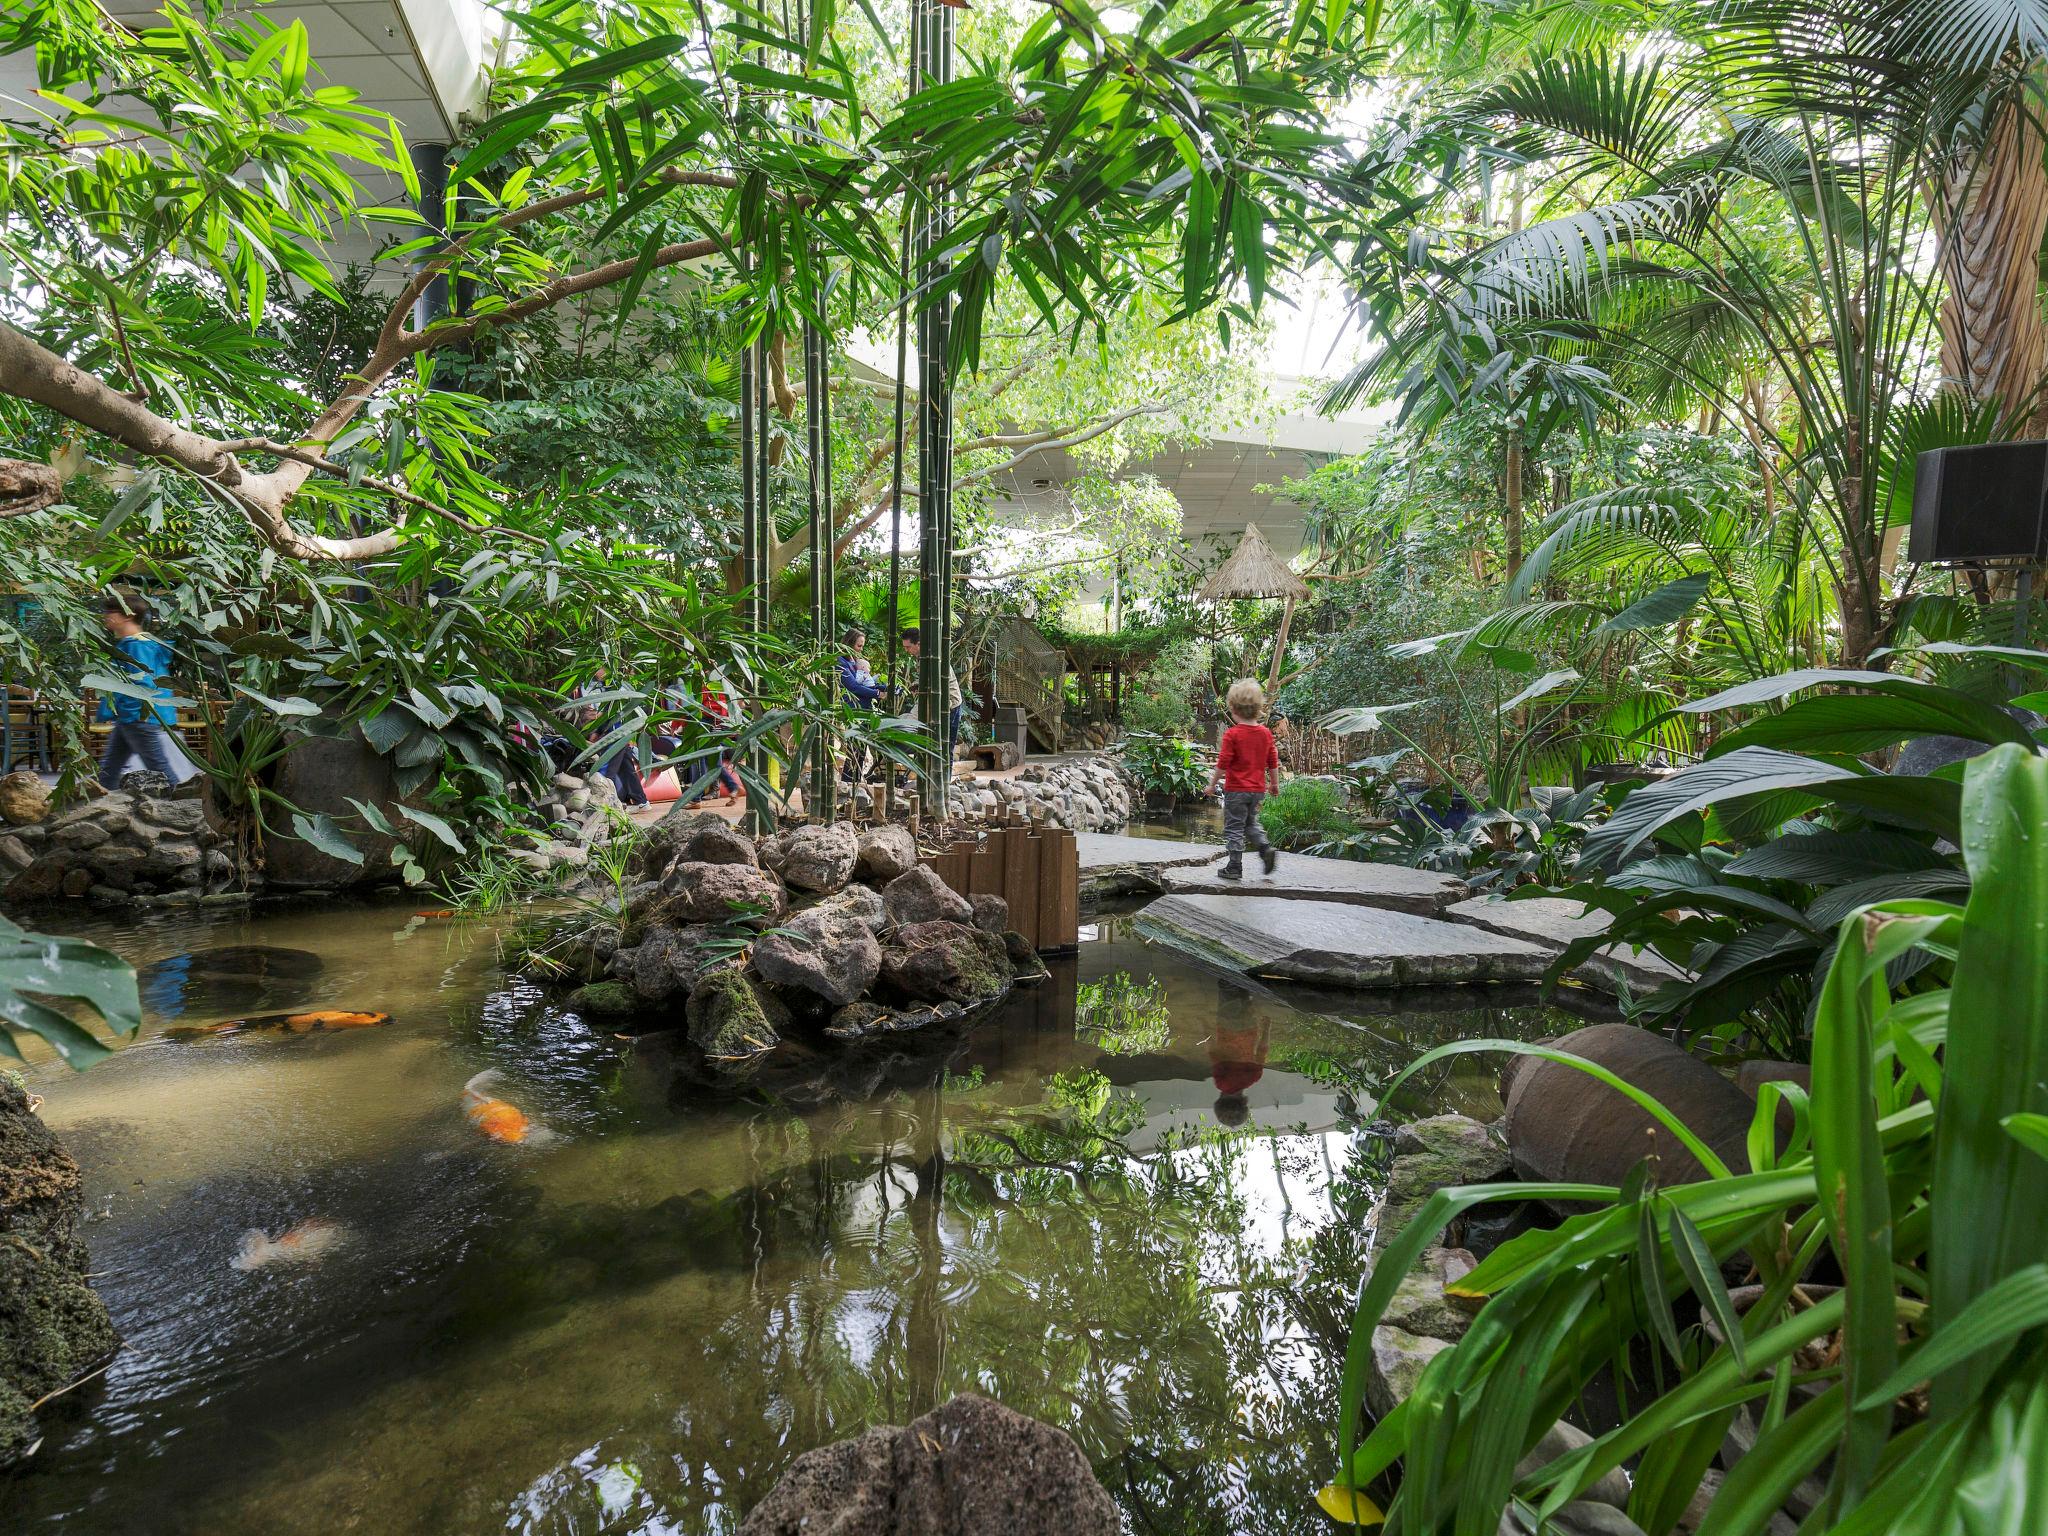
<point x="623" y="769"/>
<point x="863" y="690"/>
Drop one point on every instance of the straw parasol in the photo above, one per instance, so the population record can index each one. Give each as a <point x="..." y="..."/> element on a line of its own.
<point x="1255" y="570"/>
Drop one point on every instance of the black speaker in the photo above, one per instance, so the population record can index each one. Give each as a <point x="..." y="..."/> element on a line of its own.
<point x="1982" y="502"/>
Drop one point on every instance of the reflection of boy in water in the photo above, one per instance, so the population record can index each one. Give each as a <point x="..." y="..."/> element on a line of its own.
<point x="1237" y="1059"/>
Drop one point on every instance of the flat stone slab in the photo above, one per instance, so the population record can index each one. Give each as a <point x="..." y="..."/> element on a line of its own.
<point x="1113" y="865"/>
<point x="1349" y="882"/>
<point x="1333" y="944"/>
<point x="1552" y="922"/>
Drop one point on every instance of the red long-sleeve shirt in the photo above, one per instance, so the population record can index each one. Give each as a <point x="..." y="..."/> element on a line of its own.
<point x="1244" y="757"/>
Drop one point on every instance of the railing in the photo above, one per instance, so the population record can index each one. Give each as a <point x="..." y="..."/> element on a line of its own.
<point x="1031" y="673"/>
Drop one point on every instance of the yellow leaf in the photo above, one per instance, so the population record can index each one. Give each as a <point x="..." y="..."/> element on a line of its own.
<point x="1347" y="1506"/>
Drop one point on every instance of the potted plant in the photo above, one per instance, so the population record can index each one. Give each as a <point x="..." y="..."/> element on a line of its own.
<point x="1164" y="768"/>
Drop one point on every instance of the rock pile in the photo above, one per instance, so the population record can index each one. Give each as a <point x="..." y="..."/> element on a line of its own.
<point x="577" y="813"/>
<point x="1082" y="794"/>
<point x="833" y="930"/>
<point x="53" y="1327"/>
<point x="118" y="850"/>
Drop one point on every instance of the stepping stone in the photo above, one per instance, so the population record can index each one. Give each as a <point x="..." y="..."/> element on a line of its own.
<point x="1332" y="944"/>
<point x="1350" y="882"/>
<point x="1552" y="922"/>
<point x="1112" y="865"/>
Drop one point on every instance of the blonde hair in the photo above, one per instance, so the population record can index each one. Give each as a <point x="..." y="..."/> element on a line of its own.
<point x="1247" y="699"/>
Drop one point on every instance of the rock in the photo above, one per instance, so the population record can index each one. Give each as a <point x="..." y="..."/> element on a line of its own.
<point x="1418" y="1305"/>
<point x="945" y="961"/>
<point x="1398" y="1358"/>
<point x="24" y="799"/>
<point x="991" y="913"/>
<point x="885" y="852"/>
<point x="1561" y="1439"/>
<point x="668" y="960"/>
<point x="820" y="858"/>
<point x="1348" y="882"/>
<point x="1583" y="1517"/>
<point x="14" y="856"/>
<point x="920" y="896"/>
<point x="969" y="1468"/>
<point x="53" y="1326"/>
<point x="1552" y="922"/>
<point x="323" y="774"/>
<point x="1442" y="1152"/>
<point x="178" y="815"/>
<point x="1019" y="949"/>
<point x="77" y="882"/>
<point x="145" y="783"/>
<point x="41" y="881"/>
<point x="715" y="893"/>
<point x="1334" y="945"/>
<point x="605" y="1000"/>
<point x="863" y="902"/>
<point x="1564" y="1125"/>
<point x="692" y="837"/>
<point x="79" y="836"/>
<point x="830" y="953"/>
<point x="729" y="1017"/>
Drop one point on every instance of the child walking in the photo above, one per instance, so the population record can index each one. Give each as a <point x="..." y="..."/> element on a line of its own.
<point x="138" y="727"/>
<point x="1248" y="767"/>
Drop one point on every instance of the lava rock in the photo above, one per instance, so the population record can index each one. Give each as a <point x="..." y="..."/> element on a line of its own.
<point x="991" y="913"/>
<point x="861" y="901"/>
<point x="885" y="853"/>
<point x="686" y="836"/>
<point x="920" y="896"/>
<point x="605" y="1000"/>
<point x="942" y="961"/>
<point x="969" y="1468"/>
<point x="714" y="893"/>
<point x="828" y="952"/>
<point x="729" y="1017"/>
<point x="668" y="960"/>
<point x="145" y="783"/>
<point x="819" y="858"/>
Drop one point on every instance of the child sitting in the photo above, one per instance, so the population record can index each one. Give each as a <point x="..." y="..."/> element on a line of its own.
<point x="1248" y="767"/>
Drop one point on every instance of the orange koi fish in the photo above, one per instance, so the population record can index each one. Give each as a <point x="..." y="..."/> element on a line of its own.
<point x="497" y="1119"/>
<point x="316" y="1021"/>
<point x="306" y="1243"/>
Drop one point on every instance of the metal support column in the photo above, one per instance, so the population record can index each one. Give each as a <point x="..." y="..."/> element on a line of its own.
<point x="824" y="598"/>
<point x="933" y="34"/>
<point x="430" y="166"/>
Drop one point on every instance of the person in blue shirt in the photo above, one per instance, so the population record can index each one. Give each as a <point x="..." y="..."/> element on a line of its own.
<point x="138" y="730"/>
<point x="856" y="677"/>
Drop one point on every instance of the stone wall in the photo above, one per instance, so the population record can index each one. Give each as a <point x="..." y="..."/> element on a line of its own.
<point x="121" y="849"/>
<point x="1082" y="794"/>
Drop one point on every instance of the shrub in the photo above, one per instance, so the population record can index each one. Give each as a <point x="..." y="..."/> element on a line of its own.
<point x="1307" y="811"/>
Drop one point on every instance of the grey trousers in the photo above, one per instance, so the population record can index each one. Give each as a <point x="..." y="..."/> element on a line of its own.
<point x="1241" y="820"/>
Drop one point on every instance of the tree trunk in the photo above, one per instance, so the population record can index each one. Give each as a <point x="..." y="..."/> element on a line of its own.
<point x="1993" y="341"/>
<point x="1512" y="532"/>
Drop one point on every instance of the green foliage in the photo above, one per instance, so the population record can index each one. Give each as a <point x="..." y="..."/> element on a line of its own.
<point x="1123" y="1015"/>
<point x="1901" y="1165"/>
<point x="38" y="969"/>
<point x="1163" y="765"/>
<point x="1307" y="811"/>
<point x="1161" y="701"/>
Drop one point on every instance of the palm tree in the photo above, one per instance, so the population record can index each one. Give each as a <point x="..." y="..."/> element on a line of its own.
<point x="1738" y="222"/>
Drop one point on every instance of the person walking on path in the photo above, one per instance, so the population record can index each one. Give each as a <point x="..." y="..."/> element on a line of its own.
<point x="138" y="725"/>
<point x="913" y="641"/>
<point x="1248" y="768"/>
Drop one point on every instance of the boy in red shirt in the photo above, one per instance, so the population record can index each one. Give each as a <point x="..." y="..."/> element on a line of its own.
<point x="1248" y="768"/>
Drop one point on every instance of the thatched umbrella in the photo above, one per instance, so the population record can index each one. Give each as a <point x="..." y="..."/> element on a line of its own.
<point x="1255" y="570"/>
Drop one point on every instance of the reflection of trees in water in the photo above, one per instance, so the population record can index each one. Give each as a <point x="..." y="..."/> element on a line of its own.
<point x="1122" y="1015"/>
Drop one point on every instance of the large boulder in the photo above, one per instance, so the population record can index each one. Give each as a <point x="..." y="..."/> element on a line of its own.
<point x="53" y="1327"/>
<point x="715" y="893"/>
<point x="920" y="896"/>
<point x="669" y="961"/>
<point x="942" y="961"/>
<point x="885" y="853"/>
<point x="969" y="1468"/>
<point x="1564" y="1125"/>
<point x="24" y="799"/>
<point x="686" y="836"/>
<point x="729" y="1017"/>
<point x="323" y="774"/>
<point x="826" y="951"/>
<point x="863" y="901"/>
<point x="819" y="858"/>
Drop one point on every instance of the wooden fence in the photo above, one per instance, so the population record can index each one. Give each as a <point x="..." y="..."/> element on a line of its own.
<point x="1034" y="868"/>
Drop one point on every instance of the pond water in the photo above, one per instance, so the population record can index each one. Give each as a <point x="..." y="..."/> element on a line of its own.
<point x="636" y="1324"/>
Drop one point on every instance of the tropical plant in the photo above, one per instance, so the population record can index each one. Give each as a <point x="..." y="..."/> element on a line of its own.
<point x="1163" y="765"/>
<point x="1123" y="1015"/>
<point x="37" y="969"/>
<point x="1305" y="811"/>
<point x="1915" y="1391"/>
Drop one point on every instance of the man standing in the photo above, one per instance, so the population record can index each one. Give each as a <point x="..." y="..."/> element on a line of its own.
<point x="955" y="700"/>
<point x="138" y="725"/>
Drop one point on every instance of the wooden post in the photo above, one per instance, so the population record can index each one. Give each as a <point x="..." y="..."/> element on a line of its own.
<point x="1279" y="649"/>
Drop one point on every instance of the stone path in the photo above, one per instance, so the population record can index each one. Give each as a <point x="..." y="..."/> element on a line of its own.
<point x="1115" y="865"/>
<point x="1552" y="922"/>
<point x="1348" y="882"/>
<point x="1333" y="944"/>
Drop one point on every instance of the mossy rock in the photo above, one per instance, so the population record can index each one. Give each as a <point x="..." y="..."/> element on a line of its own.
<point x="571" y="948"/>
<point x="605" y="1000"/>
<point x="729" y="1016"/>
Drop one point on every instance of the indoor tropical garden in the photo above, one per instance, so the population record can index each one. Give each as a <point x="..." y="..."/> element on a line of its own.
<point x="1218" y="767"/>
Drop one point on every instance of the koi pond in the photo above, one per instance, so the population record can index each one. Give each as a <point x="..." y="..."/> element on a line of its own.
<point x="1133" y="1203"/>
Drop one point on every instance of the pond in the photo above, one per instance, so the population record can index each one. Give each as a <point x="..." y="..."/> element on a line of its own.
<point x="1132" y="1203"/>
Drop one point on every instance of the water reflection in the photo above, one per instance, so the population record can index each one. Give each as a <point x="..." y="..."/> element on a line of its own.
<point x="1132" y="1204"/>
